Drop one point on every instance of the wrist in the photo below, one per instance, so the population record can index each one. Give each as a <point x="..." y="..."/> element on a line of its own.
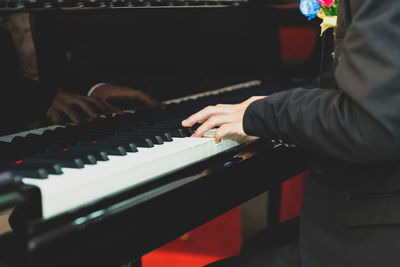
<point x="254" y="98"/>
<point x="93" y="88"/>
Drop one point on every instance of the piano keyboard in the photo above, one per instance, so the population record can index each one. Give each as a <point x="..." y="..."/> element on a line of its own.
<point x="221" y="91"/>
<point x="74" y="166"/>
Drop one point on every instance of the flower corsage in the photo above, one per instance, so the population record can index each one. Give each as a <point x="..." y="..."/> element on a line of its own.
<point x="324" y="9"/>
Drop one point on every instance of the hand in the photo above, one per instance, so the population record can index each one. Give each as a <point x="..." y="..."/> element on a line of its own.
<point x="228" y="117"/>
<point x="120" y="97"/>
<point x="75" y="107"/>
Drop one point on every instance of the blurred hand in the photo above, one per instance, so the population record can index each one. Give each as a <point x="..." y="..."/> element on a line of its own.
<point x="120" y="97"/>
<point x="229" y="118"/>
<point x="75" y="107"/>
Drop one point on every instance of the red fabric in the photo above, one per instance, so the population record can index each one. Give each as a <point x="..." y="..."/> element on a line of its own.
<point x="219" y="238"/>
<point x="160" y="258"/>
<point x="292" y="197"/>
<point x="297" y="42"/>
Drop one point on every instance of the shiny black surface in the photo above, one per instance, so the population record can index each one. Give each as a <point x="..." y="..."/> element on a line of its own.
<point x="146" y="216"/>
<point x="35" y="5"/>
<point x="35" y="156"/>
<point x="153" y="214"/>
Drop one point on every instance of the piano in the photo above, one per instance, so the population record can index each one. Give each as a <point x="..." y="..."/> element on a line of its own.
<point x="77" y="195"/>
<point x="35" y="5"/>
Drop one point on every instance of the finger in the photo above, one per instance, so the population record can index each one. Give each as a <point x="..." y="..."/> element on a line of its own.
<point x="201" y="116"/>
<point x="85" y="106"/>
<point x="150" y="101"/>
<point x="125" y="92"/>
<point x="212" y="122"/>
<point x="54" y="116"/>
<point x="223" y="131"/>
<point x="145" y="98"/>
<point x="113" y="109"/>
<point x="100" y="106"/>
<point x="70" y="112"/>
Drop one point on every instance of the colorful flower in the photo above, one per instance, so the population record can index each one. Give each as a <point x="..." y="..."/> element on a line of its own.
<point x="327" y="3"/>
<point x="324" y="9"/>
<point x="309" y="8"/>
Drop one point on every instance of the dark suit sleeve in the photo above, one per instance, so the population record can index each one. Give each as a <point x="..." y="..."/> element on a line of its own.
<point x="360" y="121"/>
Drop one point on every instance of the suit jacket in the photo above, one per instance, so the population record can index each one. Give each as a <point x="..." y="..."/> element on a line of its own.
<point x="351" y="127"/>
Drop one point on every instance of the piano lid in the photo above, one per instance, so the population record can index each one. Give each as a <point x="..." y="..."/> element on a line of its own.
<point x="40" y="5"/>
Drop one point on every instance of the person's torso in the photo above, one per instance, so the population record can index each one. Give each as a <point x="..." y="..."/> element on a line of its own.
<point x="350" y="213"/>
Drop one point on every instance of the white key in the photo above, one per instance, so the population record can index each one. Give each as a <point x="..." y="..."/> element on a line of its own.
<point x="78" y="187"/>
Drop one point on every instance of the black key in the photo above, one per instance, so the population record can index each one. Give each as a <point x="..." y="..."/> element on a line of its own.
<point x="138" y="141"/>
<point x="87" y="158"/>
<point x="178" y="119"/>
<point x="34" y="144"/>
<point x="165" y="136"/>
<point x="99" y="155"/>
<point x="10" y="152"/>
<point x="169" y="124"/>
<point x="189" y="130"/>
<point x="51" y="168"/>
<point x="51" y="139"/>
<point x="175" y="124"/>
<point x="67" y="137"/>
<point x="129" y="147"/>
<point x="96" y="130"/>
<point x="39" y="173"/>
<point x="175" y="132"/>
<point x="80" y="133"/>
<point x="101" y="127"/>
<point x="113" y="124"/>
<point x="68" y="163"/>
<point x="109" y="149"/>
<point x="156" y="139"/>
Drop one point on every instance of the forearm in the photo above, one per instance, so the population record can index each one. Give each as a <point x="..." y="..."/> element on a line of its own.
<point x="325" y="122"/>
<point x="358" y="121"/>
